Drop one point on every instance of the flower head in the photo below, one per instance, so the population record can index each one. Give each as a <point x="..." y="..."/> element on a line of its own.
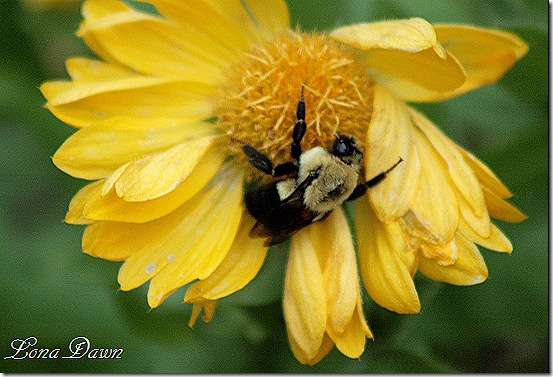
<point x="159" y="116"/>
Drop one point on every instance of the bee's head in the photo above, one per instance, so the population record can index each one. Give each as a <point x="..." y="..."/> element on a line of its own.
<point x="346" y="148"/>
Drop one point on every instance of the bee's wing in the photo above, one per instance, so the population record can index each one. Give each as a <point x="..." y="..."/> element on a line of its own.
<point x="287" y="218"/>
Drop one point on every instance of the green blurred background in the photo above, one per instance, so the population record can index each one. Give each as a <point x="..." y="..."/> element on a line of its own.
<point x="54" y="292"/>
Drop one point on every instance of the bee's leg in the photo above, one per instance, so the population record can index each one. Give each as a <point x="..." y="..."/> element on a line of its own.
<point x="360" y="190"/>
<point x="299" y="128"/>
<point x="264" y="164"/>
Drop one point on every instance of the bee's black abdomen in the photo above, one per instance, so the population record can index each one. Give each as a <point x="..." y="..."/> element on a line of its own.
<point x="278" y="219"/>
<point x="260" y="201"/>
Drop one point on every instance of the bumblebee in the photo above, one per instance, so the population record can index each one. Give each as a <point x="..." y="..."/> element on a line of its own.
<point x="318" y="181"/>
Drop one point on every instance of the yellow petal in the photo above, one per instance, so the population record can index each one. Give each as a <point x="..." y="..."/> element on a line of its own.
<point x="496" y="240"/>
<point x="385" y="261"/>
<point x="81" y="90"/>
<point x="334" y="245"/>
<point x="138" y="97"/>
<point x="207" y="306"/>
<point x="102" y="240"/>
<point x="412" y="35"/>
<point x="98" y="150"/>
<point x="485" y="175"/>
<point x="258" y="19"/>
<point x="435" y="204"/>
<point x="93" y="10"/>
<point x="444" y="255"/>
<point x="161" y="172"/>
<point x="302" y="357"/>
<point x="389" y="138"/>
<point x="220" y="23"/>
<point x="50" y="89"/>
<point x="91" y="70"/>
<point x="447" y="74"/>
<point x="500" y="209"/>
<point x="351" y="342"/>
<point x="109" y="183"/>
<point x="485" y="54"/>
<point x="75" y="214"/>
<point x="108" y="206"/>
<point x="271" y="17"/>
<point x="304" y="298"/>
<point x="459" y="171"/>
<point x="405" y="50"/>
<point x="469" y="269"/>
<point x="151" y="45"/>
<point x="209" y="237"/>
<point x="240" y="266"/>
<point x="186" y="239"/>
<point x="361" y="317"/>
<point x="480" y="224"/>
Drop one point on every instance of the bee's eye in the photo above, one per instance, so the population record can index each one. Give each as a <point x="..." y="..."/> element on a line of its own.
<point x="341" y="147"/>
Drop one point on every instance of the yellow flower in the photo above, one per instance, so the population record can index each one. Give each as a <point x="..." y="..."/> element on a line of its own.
<point x="158" y="117"/>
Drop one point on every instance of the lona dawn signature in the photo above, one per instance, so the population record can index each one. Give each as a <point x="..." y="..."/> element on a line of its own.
<point x="79" y="347"/>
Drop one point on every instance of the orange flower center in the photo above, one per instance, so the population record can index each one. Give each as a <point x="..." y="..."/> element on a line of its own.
<point x="258" y="104"/>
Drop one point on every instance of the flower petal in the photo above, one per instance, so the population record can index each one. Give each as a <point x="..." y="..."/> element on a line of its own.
<point x="496" y="240"/>
<point x="485" y="54"/>
<point x="385" y="261"/>
<point x="98" y="150"/>
<point x="151" y="45"/>
<point x="444" y="255"/>
<point x="184" y="245"/>
<point x="137" y="97"/>
<point x="303" y="358"/>
<point x="480" y="224"/>
<point x="389" y="138"/>
<point x="271" y="17"/>
<point x="334" y="245"/>
<point x="109" y="206"/>
<point x="459" y="171"/>
<point x="435" y="206"/>
<point x="304" y="298"/>
<point x="469" y="269"/>
<point x="50" y="89"/>
<point x="159" y="173"/>
<point x="447" y="73"/>
<point x="240" y="266"/>
<point x="412" y="35"/>
<point x="207" y="306"/>
<point x="92" y="70"/>
<point x="500" y="209"/>
<point x="103" y="240"/>
<point x="351" y="342"/>
<point x="77" y="205"/>
<point x="209" y="237"/>
<point x="93" y="10"/>
<point x="221" y="22"/>
<point x="120" y="240"/>
<point x="405" y="50"/>
<point x="485" y="175"/>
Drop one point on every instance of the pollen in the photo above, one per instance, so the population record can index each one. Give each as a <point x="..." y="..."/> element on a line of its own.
<point x="258" y="104"/>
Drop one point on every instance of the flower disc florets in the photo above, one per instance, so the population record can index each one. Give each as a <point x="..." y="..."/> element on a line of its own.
<point x="258" y="104"/>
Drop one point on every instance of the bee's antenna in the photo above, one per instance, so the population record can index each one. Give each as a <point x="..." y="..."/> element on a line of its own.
<point x="300" y="111"/>
<point x="235" y="140"/>
<point x="299" y="128"/>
